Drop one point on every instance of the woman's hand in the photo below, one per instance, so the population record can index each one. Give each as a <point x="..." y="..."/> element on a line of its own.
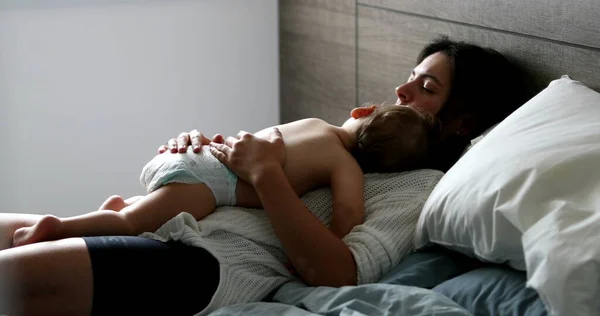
<point x="248" y="156"/>
<point x="185" y="139"/>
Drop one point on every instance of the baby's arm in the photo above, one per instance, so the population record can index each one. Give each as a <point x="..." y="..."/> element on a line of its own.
<point x="347" y="189"/>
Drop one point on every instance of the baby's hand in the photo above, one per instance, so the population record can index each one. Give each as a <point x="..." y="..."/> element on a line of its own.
<point x="185" y="139"/>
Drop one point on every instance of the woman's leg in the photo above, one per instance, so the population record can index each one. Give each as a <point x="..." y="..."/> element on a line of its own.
<point x="108" y="275"/>
<point x="49" y="278"/>
<point x="140" y="276"/>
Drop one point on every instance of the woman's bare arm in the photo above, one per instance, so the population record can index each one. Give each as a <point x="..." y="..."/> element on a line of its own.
<point x="347" y="190"/>
<point x="319" y="256"/>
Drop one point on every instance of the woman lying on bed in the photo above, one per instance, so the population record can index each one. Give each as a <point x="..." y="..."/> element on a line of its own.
<point x="468" y="88"/>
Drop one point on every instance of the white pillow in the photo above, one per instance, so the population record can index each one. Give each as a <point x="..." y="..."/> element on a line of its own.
<point x="478" y="138"/>
<point x="541" y="162"/>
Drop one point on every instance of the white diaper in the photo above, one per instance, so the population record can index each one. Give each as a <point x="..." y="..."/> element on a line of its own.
<point x="191" y="168"/>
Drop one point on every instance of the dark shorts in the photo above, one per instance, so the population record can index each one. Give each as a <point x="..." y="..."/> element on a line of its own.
<point x="140" y="276"/>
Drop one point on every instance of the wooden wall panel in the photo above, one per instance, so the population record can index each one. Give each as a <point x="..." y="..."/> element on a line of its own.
<point x="389" y="42"/>
<point x="317" y="59"/>
<point x="324" y="74"/>
<point x="570" y="21"/>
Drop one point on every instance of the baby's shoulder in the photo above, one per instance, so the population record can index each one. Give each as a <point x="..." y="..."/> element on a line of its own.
<point x="308" y="129"/>
<point x="312" y="121"/>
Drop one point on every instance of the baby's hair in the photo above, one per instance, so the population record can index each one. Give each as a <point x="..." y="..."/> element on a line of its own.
<point x="394" y="138"/>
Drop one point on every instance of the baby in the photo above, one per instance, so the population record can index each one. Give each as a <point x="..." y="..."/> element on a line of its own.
<point x="381" y="138"/>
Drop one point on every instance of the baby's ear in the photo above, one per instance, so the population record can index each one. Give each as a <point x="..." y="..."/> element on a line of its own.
<point x="362" y="112"/>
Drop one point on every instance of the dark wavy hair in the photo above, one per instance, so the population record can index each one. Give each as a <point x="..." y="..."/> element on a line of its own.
<point x="486" y="88"/>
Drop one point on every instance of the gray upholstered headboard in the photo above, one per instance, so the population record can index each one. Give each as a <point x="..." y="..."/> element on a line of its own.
<point x="338" y="54"/>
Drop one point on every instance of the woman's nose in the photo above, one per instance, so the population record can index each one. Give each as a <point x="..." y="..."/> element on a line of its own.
<point x="403" y="94"/>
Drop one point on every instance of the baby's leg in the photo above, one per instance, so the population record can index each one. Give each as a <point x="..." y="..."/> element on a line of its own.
<point x="10" y="222"/>
<point x="116" y="203"/>
<point x="246" y="195"/>
<point x="146" y="215"/>
<point x="113" y="203"/>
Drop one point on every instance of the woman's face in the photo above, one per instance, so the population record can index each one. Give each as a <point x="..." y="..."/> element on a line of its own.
<point x="428" y="86"/>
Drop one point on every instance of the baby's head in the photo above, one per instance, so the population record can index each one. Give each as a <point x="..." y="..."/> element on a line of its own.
<point x="392" y="138"/>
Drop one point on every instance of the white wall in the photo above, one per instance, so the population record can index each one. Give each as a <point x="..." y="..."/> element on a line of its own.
<point x="89" y="92"/>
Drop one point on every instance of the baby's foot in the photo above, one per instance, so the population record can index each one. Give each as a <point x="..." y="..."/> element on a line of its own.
<point x="113" y="203"/>
<point x="44" y="230"/>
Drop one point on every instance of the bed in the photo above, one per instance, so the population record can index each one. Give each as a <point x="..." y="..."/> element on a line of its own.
<point x="512" y="228"/>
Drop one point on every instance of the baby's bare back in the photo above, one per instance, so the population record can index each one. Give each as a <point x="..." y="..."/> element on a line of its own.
<point x="313" y="149"/>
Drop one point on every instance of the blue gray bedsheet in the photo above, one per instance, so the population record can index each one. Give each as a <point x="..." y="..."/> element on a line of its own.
<point x="434" y="281"/>
<point x="296" y="299"/>
<point x="482" y="289"/>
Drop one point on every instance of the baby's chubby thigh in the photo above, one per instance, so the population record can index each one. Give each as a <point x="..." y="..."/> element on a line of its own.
<point x="191" y="168"/>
